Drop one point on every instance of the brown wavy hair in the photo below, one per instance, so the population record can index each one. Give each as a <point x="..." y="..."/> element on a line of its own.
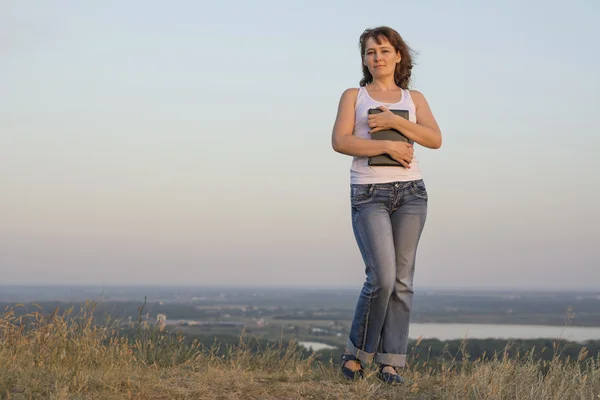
<point x="403" y="68"/>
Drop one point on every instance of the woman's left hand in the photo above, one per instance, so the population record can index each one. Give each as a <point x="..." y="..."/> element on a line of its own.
<point x="383" y="120"/>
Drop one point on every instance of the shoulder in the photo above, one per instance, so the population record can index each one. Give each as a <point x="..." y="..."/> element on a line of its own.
<point x="418" y="97"/>
<point x="351" y="93"/>
<point x="349" y="96"/>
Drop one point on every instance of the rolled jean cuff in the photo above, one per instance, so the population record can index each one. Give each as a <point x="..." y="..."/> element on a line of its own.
<point x="395" y="360"/>
<point x="359" y="354"/>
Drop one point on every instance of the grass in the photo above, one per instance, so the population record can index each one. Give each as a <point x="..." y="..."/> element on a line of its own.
<point x="66" y="356"/>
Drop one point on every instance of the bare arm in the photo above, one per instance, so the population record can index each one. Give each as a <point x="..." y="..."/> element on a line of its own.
<point x="426" y="131"/>
<point x="342" y="139"/>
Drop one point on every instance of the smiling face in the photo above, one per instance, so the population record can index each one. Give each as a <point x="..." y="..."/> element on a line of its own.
<point x="381" y="59"/>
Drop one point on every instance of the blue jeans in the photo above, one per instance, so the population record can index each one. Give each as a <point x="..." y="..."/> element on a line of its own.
<point x="387" y="219"/>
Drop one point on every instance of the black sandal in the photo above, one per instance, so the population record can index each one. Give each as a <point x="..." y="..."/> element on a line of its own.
<point x="388" y="377"/>
<point x="347" y="372"/>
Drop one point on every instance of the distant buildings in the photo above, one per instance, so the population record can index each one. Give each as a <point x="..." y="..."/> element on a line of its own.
<point x="162" y="322"/>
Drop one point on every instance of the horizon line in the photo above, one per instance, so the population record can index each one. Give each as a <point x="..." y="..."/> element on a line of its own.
<point x="470" y="288"/>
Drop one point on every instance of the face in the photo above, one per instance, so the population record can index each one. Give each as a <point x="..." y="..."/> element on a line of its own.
<point x="381" y="59"/>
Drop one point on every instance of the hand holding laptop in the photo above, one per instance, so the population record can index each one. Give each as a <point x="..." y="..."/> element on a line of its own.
<point x="379" y="121"/>
<point x="401" y="152"/>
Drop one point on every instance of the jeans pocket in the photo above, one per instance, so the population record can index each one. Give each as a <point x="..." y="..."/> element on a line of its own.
<point x="418" y="189"/>
<point x="362" y="193"/>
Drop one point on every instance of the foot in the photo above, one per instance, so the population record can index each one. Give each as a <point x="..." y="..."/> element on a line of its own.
<point x="389" y="369"/>
<point x="388" y="374"/>
<point x="351" y="367"/>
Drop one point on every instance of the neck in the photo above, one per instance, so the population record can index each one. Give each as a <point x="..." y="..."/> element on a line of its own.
<point x="384" y="84"/>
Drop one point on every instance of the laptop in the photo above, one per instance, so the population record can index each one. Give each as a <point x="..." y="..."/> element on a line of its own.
<point x="384" y="160"/>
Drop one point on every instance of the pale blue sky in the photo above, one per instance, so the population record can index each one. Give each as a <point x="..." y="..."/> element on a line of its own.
<point x="189" y="142"/>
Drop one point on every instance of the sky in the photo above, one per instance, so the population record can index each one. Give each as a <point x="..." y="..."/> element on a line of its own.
<point x="189" y="143"/>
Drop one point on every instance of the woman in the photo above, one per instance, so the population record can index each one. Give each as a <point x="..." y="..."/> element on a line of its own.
<point x="388" y="203"/>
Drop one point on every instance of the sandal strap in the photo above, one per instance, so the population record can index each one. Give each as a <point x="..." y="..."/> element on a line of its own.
<point x="349" y="357"/>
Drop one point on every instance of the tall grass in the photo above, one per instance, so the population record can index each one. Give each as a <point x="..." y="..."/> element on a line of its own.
<point x="66" y="356"/>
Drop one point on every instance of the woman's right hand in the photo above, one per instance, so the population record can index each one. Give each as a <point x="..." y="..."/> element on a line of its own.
<point x="401" y="151"/>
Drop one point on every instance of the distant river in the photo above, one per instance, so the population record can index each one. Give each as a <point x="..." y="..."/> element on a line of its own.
<point x="490" y="331"/>
<point x="316" y="346"/>
<point x="494" y="331"/>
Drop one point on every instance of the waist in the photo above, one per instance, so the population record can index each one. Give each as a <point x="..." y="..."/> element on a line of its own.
<point x="362" y="173"/>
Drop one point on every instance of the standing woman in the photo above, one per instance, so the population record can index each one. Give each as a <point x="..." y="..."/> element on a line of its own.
<point x="388" y="203"/>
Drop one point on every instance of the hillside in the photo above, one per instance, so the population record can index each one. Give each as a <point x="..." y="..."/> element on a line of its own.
<point x="66" y="356"/>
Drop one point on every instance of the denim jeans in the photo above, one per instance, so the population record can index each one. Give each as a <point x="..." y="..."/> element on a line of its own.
<point x="387" y="219"/>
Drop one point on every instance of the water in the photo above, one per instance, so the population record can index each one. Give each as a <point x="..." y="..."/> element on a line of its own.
<point x="489" y="331"/>
<point x="494" y="331"/>
<point x="315" y="346"/>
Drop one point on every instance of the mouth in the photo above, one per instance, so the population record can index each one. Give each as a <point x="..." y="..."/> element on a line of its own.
<point x="379" y="66"/>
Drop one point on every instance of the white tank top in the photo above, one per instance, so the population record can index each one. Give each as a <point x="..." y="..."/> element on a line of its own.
<point x="361" y="172"/>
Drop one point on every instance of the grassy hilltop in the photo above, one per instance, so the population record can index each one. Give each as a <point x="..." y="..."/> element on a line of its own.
<point x="67" y="356"/>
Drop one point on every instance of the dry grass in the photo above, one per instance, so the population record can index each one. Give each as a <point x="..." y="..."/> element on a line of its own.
<point x="68" y="357"/>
